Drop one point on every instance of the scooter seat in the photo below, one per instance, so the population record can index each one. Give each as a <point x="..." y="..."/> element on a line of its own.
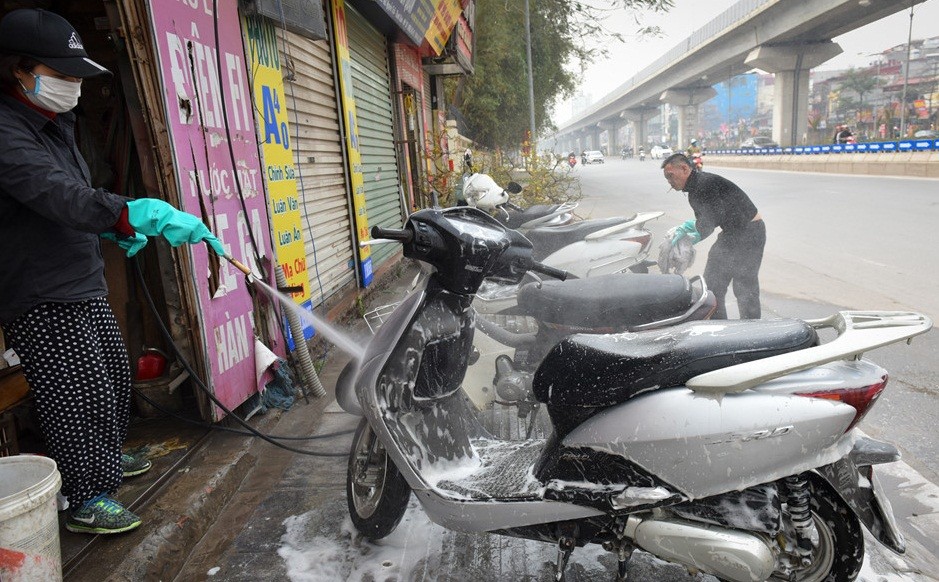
<point x="519" y="217"/>
<point x="607" y="302"/>
<point x="548" y="239"/>
<point x="602" y="370"/>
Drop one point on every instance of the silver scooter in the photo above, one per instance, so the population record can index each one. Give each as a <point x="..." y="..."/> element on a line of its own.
<point x="588" y="248"/>
<point x="551" y="227"/>
<point x="729" y="447"/>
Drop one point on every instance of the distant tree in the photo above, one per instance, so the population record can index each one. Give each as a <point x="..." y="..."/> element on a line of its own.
<point x="847" y="103"/>
<point x="859" y="82"/>
<point x="494" y="100"/>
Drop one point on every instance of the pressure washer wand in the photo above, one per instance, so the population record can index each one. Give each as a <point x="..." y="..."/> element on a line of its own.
<point x="241" y="267"/>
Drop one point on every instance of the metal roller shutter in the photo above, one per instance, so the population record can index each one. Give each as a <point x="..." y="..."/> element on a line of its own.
<point x="372" y="88"/>
<point x="321" y="181"/>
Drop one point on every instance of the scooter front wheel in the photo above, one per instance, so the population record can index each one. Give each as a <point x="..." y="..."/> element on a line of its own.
<point x="376" y="492"/>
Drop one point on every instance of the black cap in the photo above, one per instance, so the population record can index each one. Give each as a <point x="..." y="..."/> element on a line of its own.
<point x="48" y="38"/>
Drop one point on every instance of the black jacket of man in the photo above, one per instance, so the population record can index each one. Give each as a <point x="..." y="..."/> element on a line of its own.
<point x="717" y="202"/>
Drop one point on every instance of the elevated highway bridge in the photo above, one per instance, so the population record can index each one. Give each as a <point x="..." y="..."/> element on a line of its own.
<point x="785" y="37"/>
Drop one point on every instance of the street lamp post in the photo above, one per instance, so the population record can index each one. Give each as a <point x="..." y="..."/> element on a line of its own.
<point x="906" y="75"/>
<point x="531" y="79"/>
<point x="933" y="89"/>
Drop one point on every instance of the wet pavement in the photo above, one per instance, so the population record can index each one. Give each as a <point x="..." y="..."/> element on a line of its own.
<point x="168" y="444"/>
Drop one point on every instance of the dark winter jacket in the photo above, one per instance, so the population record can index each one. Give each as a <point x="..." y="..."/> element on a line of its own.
<point x="50" y="216"/>
<point x="718" y="202"/>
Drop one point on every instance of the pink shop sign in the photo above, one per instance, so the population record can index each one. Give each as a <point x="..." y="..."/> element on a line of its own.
<point x="218" y="170"/>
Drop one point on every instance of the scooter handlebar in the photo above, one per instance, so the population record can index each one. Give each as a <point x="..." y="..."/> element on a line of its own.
<point x="551" y="271"/>
<point x="396" y="234"/>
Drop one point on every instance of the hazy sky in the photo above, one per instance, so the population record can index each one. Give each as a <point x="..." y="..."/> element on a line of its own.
<point x="627" y="59"/>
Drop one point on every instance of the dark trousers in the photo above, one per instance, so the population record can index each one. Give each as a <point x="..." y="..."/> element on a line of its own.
<point x="735" y="258"/>
<point x="76" y="363"/>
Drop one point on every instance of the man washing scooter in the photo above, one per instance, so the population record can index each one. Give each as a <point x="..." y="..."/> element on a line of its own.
<point x="738" y="252"/>
<point x="53" y="306"/>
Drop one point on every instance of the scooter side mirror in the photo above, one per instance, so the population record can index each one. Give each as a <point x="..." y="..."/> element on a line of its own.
<point x="513" y="187"/>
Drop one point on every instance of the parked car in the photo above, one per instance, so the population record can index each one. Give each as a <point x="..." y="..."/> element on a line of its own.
<point x="592" y="157"/>
<point x="926" y="134"/>
<point x="660" y="151"/>
<point x="757" y="143"/>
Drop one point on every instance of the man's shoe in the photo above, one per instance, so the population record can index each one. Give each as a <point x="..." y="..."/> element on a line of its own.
<point x="135" y="465"/>
<point x="101" y="515"/>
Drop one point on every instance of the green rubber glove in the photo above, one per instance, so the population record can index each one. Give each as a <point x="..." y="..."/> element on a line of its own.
<point x="154" y="217"/>
<point x="691" y="231"/>
<point x="131" y="244"/>
<point x="684" y="229"/>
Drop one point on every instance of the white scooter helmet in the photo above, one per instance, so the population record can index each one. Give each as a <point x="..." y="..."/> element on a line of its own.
<point x="481" y="190"/>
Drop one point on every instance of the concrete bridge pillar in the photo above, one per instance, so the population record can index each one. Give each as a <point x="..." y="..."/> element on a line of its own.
<point x="580" y="144"/>
<point x="687" y="101"/>
<point x="639" y="118"/>
<point x="791" y="65"/>
<point x="612" y="127"/>
<point x="593" y="140"/>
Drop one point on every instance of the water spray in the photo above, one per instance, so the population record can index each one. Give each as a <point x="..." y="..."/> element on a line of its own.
<point x="307" y="369"/>
<point x="295" y="314"/>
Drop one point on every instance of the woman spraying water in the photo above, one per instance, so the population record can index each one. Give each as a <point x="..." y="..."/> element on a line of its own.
<point x="53" y="296"/>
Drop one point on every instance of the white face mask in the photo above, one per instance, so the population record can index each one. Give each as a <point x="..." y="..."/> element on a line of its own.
<point x="53" y="94"/>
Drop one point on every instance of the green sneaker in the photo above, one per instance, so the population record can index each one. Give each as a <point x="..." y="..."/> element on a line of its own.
<point x="101" y="515"/>
<point x="135" y="465"/>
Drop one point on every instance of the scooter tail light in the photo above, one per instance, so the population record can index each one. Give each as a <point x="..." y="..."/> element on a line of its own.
<point x="861" y="399"/>
<point x="642" y="239"/>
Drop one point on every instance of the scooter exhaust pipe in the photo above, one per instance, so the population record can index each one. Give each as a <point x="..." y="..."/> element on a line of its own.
<point x="725" y="553"/>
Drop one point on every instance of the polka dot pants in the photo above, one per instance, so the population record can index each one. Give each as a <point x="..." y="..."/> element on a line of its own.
<point x="76" y="363"/>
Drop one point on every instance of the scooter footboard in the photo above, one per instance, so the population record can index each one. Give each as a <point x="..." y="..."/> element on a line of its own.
<point x="853" y="478"/>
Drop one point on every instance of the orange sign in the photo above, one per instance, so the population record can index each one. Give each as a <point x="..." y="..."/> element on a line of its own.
<point x="445" y="18"/>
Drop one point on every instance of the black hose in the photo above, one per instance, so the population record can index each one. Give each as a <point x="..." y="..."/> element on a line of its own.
<point x="209" y="425"/>
<point x="202" y="385"/>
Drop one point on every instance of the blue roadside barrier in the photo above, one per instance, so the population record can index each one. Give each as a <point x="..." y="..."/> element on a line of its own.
<point x="907" y="145"/>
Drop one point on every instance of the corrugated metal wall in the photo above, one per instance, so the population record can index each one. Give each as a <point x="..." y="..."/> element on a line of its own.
<point x="321" y="181"/>
<point x="373" y="105"/>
